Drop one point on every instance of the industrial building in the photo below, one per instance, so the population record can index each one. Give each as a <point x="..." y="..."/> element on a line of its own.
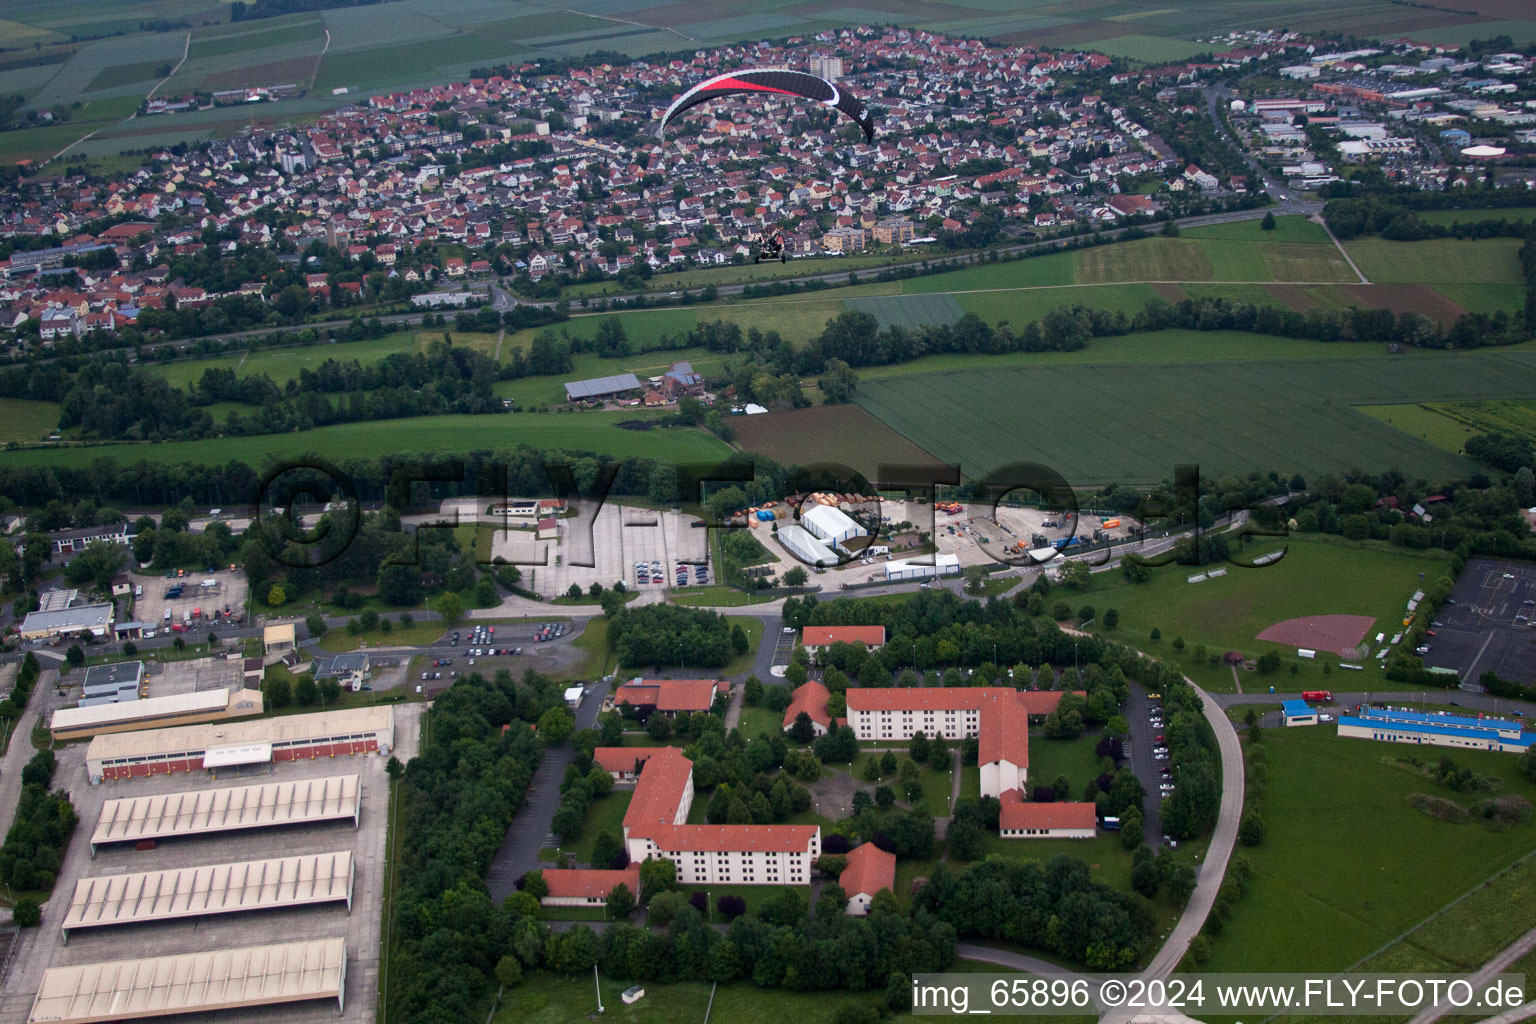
<point x="922" y="567"/>
<point x="112" y="684"/>
<point x="1298" y="712"/>
<point x="830" y="524"/>
<point x="220" y="979"/>
<point x="95" y="619"/>
<point x="1437" y="729"/>
<point x="153" y="713"/>
<point x="123" y="755"/>
<point x="805" y="546"/>
<point x="139" y="897"/>
<point x="599" y="388"/>
<point x="202" y="812"/>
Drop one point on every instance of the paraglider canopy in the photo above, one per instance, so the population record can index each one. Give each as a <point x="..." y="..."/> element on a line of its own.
<point x="779" y="81"/>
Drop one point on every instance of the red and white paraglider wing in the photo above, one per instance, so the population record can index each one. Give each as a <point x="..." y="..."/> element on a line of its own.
<point x="781" y="81"/>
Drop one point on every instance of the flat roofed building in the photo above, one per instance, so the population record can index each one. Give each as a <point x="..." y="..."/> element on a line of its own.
<point x="917" y="568"/>
<point x="110" y="677"/>
<point x="1437" y="729"/>
<point x="153" y="712"/>
<point x="271" y="884"/>
<point x="1298" y="712"/>
<point x="124" y="755"/>
<point x="204" y="811"/>
<point x="278" y="639"/>
<point x="95" y="619"/>
<point x="601" y="387"/>
<point x="223" y="979"/>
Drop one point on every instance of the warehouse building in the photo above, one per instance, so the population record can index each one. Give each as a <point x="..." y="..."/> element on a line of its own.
<point x="216" y="979"/>
<point x="209" y="747"/>
<point x="1435" y="729"/>
<point x="1298" y="712"/>
<point x="804" y="546"/>
<point x="112" y="684"/>
<point x="202" y="812"/>
<point x="139" y="897"/>
<point x="922" y="567"/>
<point x="831" y="525"/>
<point x="95" y="619"/>
<point x="153" y="713"/>
<point x="598" y="389"/>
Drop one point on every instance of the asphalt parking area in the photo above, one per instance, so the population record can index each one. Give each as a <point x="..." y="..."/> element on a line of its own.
<point x="1488" y="628"/>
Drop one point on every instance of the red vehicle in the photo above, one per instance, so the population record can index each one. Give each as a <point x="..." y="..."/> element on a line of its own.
<point x="1317" y="695"/>
<point x="177" y="627"/>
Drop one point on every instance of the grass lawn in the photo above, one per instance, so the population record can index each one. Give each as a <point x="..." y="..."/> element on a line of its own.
<point x="596" y="432"/>
<point x="1075" y="759"/>
<point x="606" y="813"/>
<point x="27" y="420"/>
<point x="546" y="998"/>
<point x="1422" y="421"/>
<point x="283" y="363"/>
<point x="1317" y="577"/>
<point x="420" y="635"/>
<point x="936" y="785"/>
<point x="1441" y="260"/>
<point x="754" y="895"/>
<point x="753" y="627"/>
<point x="716" y="596"/>
<point x="1110" y="861"/>
<point x="593" y="641"/>
<point x="1322" y="897"/>
<point x="756" y="721"/>
<point x="1294" y="228"/>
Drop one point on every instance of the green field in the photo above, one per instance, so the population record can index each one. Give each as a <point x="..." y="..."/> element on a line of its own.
<point x="1049" y="758"/>
<point x="908" y="311"/>
<point x="26" y="420"/>
<point x="1227" y="417"/>
<point x="1512" y="214"/>
<point x="1322" y="897"/>
<point x="1318" y="576"/>
<point x="1023" y="306"/>
<point x="1440" y="260"/>
<point x="283" y="364"/>
<point x="596" y="432"/>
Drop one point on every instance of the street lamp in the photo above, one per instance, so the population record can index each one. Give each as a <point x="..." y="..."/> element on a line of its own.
<point x="599" y="987"/>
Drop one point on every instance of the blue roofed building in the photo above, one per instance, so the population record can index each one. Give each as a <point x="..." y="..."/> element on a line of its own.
<point x="1298" y="712"/>
<point x="1437" y="729"/>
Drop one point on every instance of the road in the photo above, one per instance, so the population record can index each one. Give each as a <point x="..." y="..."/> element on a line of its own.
<point x="20" y="750"/>
<point x="529" y="831"/>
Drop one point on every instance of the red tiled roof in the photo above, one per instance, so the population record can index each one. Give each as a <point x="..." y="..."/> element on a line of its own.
<point x="670" y="694"/>
<point x="1004" y="733"/>
<point x="1016" y="813"/>
<point x="821" y="636"/>
<point x="1043" y="702"/>
<point x="585" y="883"/>
<point x="869" y="870"/>
<point x="747" y="838"/>
<point x="947" y="698"/>
<point x="622" y="759"/>
<point x="658" y="793"/>
<point x="810" y="697"/>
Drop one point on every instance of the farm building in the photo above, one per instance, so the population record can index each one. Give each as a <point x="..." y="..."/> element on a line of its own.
<point x="922" y="567"/>
<point x="869" y="870"/>
<point x="95" y="619"/>
<point x="599" y="388"/>
<point x="576" y="887"/>
<point x="153" y="713"/>
<point x="1440" y="730"/>
<point x="1298" y="712"/>
<point x="814" y="638"/>
<point x="811" y="698"/>
<point x="670" y="696"/>
<point x="805" y="546"/>
<point x="831" y="525"/>
<point x="1021" y="820"/>
<point x="112" y="684"/>
<point x="188" y="748"/>
<point x="655" y="825"/>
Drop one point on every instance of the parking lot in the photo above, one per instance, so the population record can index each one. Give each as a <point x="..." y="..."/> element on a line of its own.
<point x="621" y="536"/>
<point x="229" y="591"/>
<point x="1488" y="628"/>
<point x="43" y="947"/>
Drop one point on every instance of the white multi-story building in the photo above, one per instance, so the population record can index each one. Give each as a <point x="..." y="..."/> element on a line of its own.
<point x="656" y="825"/>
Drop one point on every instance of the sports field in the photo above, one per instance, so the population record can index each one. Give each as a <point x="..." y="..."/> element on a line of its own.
<point x="596" y="432"/>
<point x="1226" y="416"/>
<point x="1318" y="576"/>
<point x="1323" y="897"/>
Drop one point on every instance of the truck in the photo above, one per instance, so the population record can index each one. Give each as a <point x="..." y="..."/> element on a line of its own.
<point x="1322" y="696"/>
<point x="167" y="616"/>
<point x="186" y="618"/>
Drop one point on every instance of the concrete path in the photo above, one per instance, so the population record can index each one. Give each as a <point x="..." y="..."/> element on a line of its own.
<point x="733" y="710"/>
<point x="21" y="750"/>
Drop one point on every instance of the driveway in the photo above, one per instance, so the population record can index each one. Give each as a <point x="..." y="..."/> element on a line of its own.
<point x="529" y="831"/>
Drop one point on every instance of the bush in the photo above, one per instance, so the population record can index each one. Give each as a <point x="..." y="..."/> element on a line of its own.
<point x="1251" y="830"/>
<point x="27" y="913"/>
<point x="1437" y="807"/>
